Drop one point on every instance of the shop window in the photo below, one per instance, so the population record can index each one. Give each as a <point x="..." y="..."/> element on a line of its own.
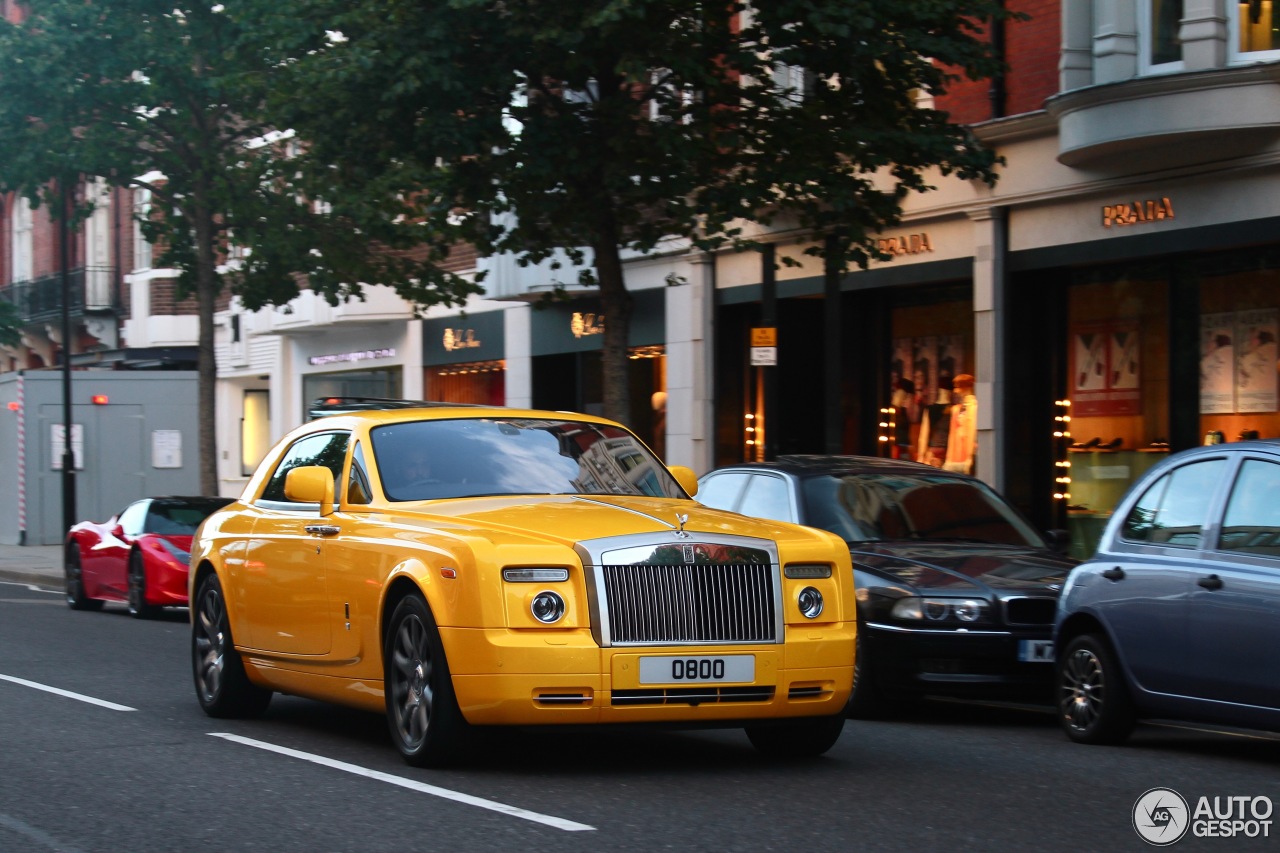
<point x="1256" y="27"/>
<point x="255" y="430"/>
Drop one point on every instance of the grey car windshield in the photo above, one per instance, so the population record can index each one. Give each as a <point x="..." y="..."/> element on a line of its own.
<point x="873" y="507"/>
<point x="469" y="457"/>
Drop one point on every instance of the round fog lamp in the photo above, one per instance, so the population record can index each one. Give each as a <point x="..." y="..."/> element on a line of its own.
<point x="547" y="607"/>
<point x="810" y="601"/>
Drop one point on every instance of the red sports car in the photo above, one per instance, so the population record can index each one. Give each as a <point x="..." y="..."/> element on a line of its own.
<point x="139" y="556"/>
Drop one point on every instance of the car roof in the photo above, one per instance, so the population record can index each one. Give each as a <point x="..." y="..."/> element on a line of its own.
<point x="378" y="411"/>
<point x="813" y="464"/>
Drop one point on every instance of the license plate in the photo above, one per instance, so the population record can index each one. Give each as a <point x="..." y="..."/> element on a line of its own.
<point x="1035" y="651"/>
<point x="697" y="669"/>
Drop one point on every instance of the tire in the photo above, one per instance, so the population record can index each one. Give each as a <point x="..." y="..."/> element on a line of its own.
<point x="805" y="738"/>
<point x="870" y="699"/>
<point x="138" y="607"/>
<point x="222" y="686"/>
<point x="426" y="725"/>
<point x="1094" y="703"/>
<point x="76" y="599"/>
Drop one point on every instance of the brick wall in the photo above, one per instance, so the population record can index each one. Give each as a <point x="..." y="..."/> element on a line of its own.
<point x="1031" y="53"/>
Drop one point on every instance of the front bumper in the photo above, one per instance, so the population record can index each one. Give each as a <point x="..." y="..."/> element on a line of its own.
<point x="505" y="677"/>
<point x="956" y="663"/>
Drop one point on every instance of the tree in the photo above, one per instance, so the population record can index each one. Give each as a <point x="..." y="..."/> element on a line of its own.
<point x="132" y="89"/>
<point x="609" y="125"/>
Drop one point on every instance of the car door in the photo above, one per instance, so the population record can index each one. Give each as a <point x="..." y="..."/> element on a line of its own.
<point x="285" y="590"/>
<point x="105" y="566"/>
<point x="1235" y="599"/>
<point x="1150" y="570"/>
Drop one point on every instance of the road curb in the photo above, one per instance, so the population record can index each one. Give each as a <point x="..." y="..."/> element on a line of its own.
<point x="40" y="579"/>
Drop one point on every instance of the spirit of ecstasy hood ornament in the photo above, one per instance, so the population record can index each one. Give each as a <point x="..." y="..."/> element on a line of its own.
<point x="682" y="518"/>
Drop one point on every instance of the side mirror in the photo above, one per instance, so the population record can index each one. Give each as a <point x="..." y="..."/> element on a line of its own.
<point x="310" y="484"/>
<point x="686" y="478"/>
<point x="1059" y="540"/>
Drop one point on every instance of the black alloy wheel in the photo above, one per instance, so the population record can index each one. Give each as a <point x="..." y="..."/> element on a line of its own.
<point x="138" y="607"/>
<point x="76" y="599"/>
<point x="422" y="710"/>
<point x="222" y="686"/>
<point x="1093" y="700"/>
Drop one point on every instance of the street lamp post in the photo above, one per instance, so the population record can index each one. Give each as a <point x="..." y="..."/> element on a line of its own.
<point x="68" y="455"/>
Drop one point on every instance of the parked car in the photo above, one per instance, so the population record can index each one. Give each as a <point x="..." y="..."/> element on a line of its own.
<point x="956" y="590"/>
<point x="139" y="556"/>
<point x="1177" y="614"/>
<point x="462" y="567"/>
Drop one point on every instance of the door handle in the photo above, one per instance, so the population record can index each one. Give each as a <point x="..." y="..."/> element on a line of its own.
<point x="322" y="529"/>
<point x="1211" y="582"/>
<point x="1114" y="574"/>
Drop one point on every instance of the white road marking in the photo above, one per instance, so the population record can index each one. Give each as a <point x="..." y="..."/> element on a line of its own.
<point x="80" y="697"/>
<point x="32" y="587"/>
<point x="443" y="793"/>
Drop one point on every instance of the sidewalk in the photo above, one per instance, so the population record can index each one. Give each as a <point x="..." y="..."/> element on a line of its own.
<point x="39" y="565"/>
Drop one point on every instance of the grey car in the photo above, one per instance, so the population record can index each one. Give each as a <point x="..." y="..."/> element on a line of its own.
<point x="1177" y="615"/>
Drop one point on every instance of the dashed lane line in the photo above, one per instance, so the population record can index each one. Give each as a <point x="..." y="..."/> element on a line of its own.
<point x="443" y="793"/>
<point x="79" y="697"/>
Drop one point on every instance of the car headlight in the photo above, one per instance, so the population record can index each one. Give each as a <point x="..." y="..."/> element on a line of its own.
<point x="547" y="607"/>
<point x="810" y="601"/>
<point x="965" y="611"/>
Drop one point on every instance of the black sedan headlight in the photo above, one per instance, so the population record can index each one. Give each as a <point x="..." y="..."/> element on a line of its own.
<point x="941" y="611"/>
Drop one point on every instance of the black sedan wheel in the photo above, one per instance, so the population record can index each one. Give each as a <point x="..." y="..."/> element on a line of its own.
<point x="138" y="607"/>
<point x="1093" y="698"/>
<point x="422" y="711"/>
<point x="76" y="599"/>
<point x="222" y="686"/>
<point x="806" y="738"/>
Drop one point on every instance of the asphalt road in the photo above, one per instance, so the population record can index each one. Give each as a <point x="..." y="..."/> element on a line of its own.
<point x="123" y="759"/>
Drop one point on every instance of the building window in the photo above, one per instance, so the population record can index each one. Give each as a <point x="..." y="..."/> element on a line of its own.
<point x="1162" y="47"/>
<point x="141" y="248"/>
<point x="1257" y="30"/>
<point x="255" y="430"/>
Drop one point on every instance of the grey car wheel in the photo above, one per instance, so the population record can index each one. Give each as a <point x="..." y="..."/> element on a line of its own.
<point x="222" y="686"/>
<point x="1093" y="699"/>
<point x="422" y="711"/>
<point x="76" y="599"/>
<point x="138" y="607"/>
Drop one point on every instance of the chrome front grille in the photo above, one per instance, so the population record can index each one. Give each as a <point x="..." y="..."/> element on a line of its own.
<point x="652" y="605"/>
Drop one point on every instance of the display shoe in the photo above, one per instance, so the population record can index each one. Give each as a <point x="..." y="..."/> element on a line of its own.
<point x="1093" y="442"/>
<point x="1112" y="444"/>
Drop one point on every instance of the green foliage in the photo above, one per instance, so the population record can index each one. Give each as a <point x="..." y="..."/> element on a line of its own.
<point x="132" y="89"/>
<point x="418" y="98"/>
<point x="10" y="324"/>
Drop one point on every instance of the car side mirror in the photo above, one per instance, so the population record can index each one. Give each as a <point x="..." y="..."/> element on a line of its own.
<point x="310" y="484"/>
<point x="1059" y="540"/>
<point x="685" y="477"/>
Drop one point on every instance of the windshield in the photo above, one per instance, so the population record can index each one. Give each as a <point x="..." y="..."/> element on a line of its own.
<point x="873" y="507"/>
<point x="468" y="457"/>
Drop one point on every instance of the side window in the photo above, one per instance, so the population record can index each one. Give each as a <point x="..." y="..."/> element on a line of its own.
<point x="721" y="491"/>
<point x="767" y="497"/>
<point x="132" y="517"/>
<point x="328" y="449"/>
<point x="358" y="491"/>
<point x="1252" y="522"/>
<point x="1175" y="509"/>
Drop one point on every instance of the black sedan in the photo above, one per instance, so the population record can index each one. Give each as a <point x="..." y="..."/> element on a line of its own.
<point x="956" y="590"/>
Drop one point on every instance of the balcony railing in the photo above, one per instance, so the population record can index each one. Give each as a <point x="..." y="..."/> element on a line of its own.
<point x="40" y="300"/>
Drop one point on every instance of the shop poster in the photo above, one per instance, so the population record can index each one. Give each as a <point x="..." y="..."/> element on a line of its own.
<point x="924" y="359"/>
<point x="1106" y="369"/>
<point x="1217" y="364"/>
<point x="1255" y="368"/>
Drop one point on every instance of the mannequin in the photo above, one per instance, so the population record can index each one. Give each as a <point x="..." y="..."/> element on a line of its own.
<point x="935" y="429"/>
<point x="962" y="440"/>
<point x="905" y="414"/>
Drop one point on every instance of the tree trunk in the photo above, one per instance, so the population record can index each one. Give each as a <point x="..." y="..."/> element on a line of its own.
<point x="616" y="307"/>
<point x="207" y="287"/>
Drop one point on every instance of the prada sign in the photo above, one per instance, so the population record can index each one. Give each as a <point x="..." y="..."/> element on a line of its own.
<point x="907" y="244"/>
<point x="1132" y="213"/>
